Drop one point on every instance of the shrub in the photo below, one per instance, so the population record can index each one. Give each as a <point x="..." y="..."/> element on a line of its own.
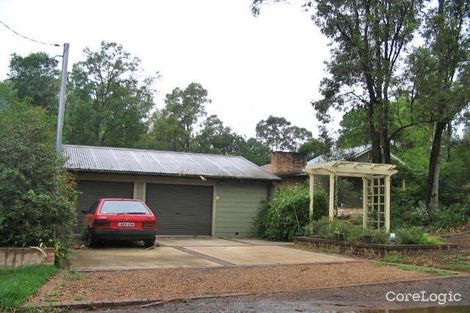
<point x="326" y="229"/>
<point x="36" y="194"/>
<point x="277" y="218"/>
<point x="287" y="205"/>
<point x="415" y="235"/>
<point x="320" y="204"/>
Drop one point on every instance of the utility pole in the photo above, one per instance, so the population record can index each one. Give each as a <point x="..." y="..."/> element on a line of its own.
<point x="60" y="115"/>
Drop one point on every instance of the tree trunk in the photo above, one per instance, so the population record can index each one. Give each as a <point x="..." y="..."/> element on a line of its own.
<point x="374" y="135"/>
<point x="432" y="186"/>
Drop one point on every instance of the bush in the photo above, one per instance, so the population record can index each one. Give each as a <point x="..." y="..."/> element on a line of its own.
<point x="326" y="229"/>
<point x="320" y="204"/>
<point x="415" y="235"/>
<point x="37" y="196"/>
<point x="277" y="218"/>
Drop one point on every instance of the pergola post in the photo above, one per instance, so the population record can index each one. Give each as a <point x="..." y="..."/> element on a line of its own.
<point x="365" y="194"/>
<point x="387" y="203"/>
<point x="332" y="197"/>
<point x="312" y="194"/>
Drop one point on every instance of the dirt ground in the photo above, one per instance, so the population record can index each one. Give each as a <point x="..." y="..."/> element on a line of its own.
<point x="348" y="299"/>
<point x="456" y="260"/>
<point x="182" y="283"/>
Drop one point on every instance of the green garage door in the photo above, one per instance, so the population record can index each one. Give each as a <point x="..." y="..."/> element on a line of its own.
<point x="91" y="191"/>
<point x="181" y="209"/>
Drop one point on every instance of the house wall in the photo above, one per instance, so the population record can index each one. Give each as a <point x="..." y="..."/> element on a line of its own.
<point x="237" y="204"/>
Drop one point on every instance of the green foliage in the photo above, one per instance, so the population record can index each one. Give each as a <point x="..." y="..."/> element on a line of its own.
<point x="37" y="196"/>
<point x="320" y="204"/>
<point x="353" y="130"/>
<point x="287" y="211"/>
<point x="415" y="235"/>
<point x="253" y="150"/>
<point x="34" y="78"/>
<point x="279" y="134"/>
<point x="107" y="102"/>
<point x="396" y="258"/>
<point x="173" y="126"/>
<point x="18" y="284"/>
<point x="326" y="229"/>
<point x="216" y="138"/>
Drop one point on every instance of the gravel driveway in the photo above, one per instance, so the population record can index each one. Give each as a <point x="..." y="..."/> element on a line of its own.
<point x="184" y="283"/>
<point x="348" y="299"/>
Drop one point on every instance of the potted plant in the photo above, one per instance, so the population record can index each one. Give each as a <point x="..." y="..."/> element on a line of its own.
<point x="367" y="236"/>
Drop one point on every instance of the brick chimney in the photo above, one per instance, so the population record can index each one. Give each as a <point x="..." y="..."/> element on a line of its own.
<point x="287" y="162"/>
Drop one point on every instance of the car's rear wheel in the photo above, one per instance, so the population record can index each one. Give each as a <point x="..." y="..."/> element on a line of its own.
<point x="91" y="241"/>
<point x="149" y="242"/>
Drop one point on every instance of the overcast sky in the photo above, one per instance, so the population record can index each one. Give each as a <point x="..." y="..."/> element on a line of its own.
<point x="251" y="66"/>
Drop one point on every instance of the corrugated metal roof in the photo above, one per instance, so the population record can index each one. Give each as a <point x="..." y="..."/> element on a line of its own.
<point x="160" y="163"/>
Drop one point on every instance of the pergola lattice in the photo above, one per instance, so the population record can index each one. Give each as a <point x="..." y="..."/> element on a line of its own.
<point x="376" y="181"/>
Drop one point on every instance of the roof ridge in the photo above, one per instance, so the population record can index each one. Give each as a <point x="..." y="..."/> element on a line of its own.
<point x="158" y="151"/>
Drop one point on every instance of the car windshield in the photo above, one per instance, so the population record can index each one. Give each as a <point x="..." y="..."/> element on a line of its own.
<point x="123" y="207"/>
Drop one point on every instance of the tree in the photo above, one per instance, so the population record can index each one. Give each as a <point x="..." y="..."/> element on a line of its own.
<point x="35" y="79"/>
<point x="321" y="146"/>
<point x="107" y="104"/>
<point x="354" y="130"/>
<point x="280" y="134"/>
<point x="214" y="137"/>
<point x="37" y="196"/>
<point x="173" y="126"/>
<point x="442" y="78"/>
<point x="253" y="150"/>
<point x="367" y="39"/>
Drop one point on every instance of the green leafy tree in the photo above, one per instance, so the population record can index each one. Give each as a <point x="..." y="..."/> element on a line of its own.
<point x="107" y="103"/>
<point x="279" y="134"/>
<point x="35" y="79"/>
<point x="252" y="149"/>
<point x="37" y="196"/>
<point x="443" y="78"/>
<point x="367" y="39"/>
<point x="214" y="137"/>
<point x="353" y="131"/>
<point x="173" y="127"/>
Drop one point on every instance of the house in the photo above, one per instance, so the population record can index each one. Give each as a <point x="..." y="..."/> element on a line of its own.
<point x="289" y="166"/>
<point x="354" y="154"/>
<point x="192" y="193"/>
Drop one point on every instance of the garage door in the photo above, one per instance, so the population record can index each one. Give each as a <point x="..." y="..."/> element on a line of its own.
<point x="181" y="209"/>
<point x="91" y="191"/>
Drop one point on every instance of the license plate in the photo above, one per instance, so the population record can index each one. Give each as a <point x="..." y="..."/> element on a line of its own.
<point x="126" y="224"/>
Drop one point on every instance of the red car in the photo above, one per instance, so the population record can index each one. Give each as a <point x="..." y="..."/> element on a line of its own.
<point x="120" y="219"/>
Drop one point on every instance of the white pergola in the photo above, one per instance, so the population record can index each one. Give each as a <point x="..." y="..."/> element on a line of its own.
<point x="376" y="181"/>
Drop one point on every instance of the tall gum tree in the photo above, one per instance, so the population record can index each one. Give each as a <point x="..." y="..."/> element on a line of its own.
<point x="108" y="102"/>
<point x="367" y="39"/>
<point x="442" y="78"/>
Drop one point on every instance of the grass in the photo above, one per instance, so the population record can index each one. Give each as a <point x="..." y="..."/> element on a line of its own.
<point x="73" y="276"/>
<point x="417" y="268"/>
<point x="16" y="285"/>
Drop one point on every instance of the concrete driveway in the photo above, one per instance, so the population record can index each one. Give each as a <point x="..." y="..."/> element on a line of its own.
<point x="197" y="253"/>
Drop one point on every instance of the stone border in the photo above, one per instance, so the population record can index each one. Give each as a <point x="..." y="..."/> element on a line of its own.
<point x="16" y="257"/>
<point x="367" y="250"/>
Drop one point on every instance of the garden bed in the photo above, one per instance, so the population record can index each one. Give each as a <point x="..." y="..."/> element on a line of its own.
<point x="367" y="250"/>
